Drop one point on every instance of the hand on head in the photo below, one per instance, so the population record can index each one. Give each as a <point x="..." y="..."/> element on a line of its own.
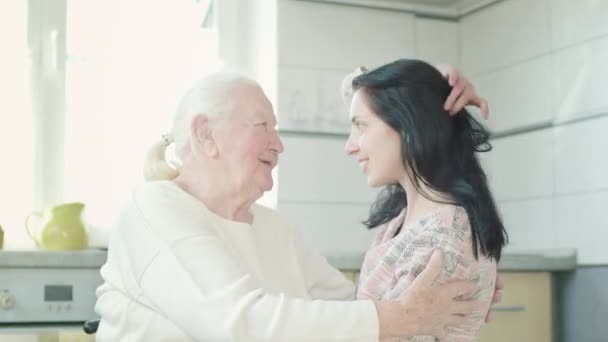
<point x="463" y="92"/>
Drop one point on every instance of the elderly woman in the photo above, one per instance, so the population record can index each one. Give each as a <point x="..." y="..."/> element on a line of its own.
<point x="193" y="258"/>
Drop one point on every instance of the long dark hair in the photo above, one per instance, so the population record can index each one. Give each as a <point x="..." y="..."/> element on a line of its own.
<point x="438" y="150"/>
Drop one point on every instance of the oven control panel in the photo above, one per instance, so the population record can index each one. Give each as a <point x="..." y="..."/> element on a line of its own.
<point x="48" y="294"/>
<point x="7" y="300"/>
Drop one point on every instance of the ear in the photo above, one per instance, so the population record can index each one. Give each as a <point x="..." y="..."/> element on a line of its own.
<point x="201" y="134"/>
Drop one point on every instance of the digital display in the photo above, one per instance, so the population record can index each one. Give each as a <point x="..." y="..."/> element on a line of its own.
<point x="58" y="293"/>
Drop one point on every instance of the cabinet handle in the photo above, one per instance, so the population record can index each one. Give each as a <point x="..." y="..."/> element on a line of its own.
<point x="509" y="308"/>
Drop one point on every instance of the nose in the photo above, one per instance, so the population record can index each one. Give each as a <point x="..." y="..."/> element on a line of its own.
<point x="352" y="145"/>
<point x="276" y="144"/>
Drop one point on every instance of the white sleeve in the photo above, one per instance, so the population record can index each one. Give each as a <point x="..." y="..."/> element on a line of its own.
<point x="323" y="281"/>
<point x="212" y="298"/>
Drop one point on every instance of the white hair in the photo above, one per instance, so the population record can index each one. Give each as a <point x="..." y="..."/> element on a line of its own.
<point x="211" y="95"/>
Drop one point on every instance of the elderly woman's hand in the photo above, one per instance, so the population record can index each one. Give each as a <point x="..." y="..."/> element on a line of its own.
<point x="498" y="288"/>
<point x="426" y="309"/>
<point x="347" y="85"/>
<point x="463" y="92"/>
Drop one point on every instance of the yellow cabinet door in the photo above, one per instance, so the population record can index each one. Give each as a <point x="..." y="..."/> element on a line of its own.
<point x="351" y="275"/>
<point x="525" y="313"/>
<point x="48" y="336"/>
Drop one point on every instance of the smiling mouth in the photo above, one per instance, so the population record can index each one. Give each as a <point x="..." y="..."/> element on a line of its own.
<point x="363" y="164"/>
<point x="267" y="162"/>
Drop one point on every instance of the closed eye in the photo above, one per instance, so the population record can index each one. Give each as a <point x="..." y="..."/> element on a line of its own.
<point x="268" y="126"/>
<point x="264" y="125"/>
<point x="358" y="124"/>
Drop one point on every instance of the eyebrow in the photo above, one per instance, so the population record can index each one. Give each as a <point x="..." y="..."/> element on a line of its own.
<point x="262" y="116"/>
<point x="354" y="118"/>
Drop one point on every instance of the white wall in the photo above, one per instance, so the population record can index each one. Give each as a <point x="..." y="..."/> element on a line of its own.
<point x="248" y="43"/>
<point x="319" y="187"/>
<point x="437" y="41"/>
<point x="542" y="63"/>
<point x="318" y="45"/>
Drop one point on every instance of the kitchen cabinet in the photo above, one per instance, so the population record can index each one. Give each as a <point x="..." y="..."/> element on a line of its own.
<point x="45" y="335"/>
<point x="525" y="312"/>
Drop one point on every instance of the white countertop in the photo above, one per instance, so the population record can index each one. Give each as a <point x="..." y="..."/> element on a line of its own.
<point x="552" y="259"/>
<point x="86" y="258"/>
<point x="512" y="260"/>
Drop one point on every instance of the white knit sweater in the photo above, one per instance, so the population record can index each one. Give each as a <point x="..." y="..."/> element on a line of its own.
<point x="178" y="272"/>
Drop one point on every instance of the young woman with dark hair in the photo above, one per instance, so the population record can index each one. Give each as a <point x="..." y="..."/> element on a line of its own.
<point x="435" y="192"/>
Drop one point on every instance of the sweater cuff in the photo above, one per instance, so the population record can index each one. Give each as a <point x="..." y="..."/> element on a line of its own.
<point x="369" y="322"/>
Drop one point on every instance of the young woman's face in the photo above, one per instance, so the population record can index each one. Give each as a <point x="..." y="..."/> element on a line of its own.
<point x="375" y="145"/>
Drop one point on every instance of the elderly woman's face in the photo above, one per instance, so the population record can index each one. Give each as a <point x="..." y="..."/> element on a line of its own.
<point x="250" y="142"/>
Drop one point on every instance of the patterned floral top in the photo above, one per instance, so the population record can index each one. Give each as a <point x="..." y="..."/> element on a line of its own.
<point x="393" y="262"/>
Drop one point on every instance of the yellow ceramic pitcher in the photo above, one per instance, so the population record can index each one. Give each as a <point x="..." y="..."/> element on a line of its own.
<point x="62" y="228"/>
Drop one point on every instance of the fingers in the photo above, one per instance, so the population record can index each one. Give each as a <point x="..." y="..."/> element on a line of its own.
<point x="456" y="290"/>
<point x="453" y="76"/>
<point x="459" y="289"/>
<point x="456" y="320"/>
<point x="463" y="94"/>
<point x="454" y="95"/>
<point x="466" y="307"/>
<point x="497" y="297"/>
<point x="457" y="101"/>
<point x="465" y="98"/>
<point x="432" y="269"/>
<point x="469" y="294"/>
<point x="490" y="316"/>
<point x="485" y="109"/>
<point x="347" y="84"/>
<point x="482" y="104"/>
<point x="500" y="284"/>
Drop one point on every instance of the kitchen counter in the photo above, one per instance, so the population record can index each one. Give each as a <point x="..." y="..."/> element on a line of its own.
<point x="512" y="260"/>
<point x="551" y="260"/>
<point x="86" y="258"/>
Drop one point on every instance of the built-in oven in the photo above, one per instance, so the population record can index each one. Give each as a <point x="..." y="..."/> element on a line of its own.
<point x="42" y="290"/>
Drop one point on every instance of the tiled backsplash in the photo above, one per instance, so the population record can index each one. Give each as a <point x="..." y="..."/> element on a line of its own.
<point x="540" y="71"/>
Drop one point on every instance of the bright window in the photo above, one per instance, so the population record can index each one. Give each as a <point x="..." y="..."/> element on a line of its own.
<point x="16" y="121"/>
<point x="123" y="83"/>
<point x="117" y="69"/>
